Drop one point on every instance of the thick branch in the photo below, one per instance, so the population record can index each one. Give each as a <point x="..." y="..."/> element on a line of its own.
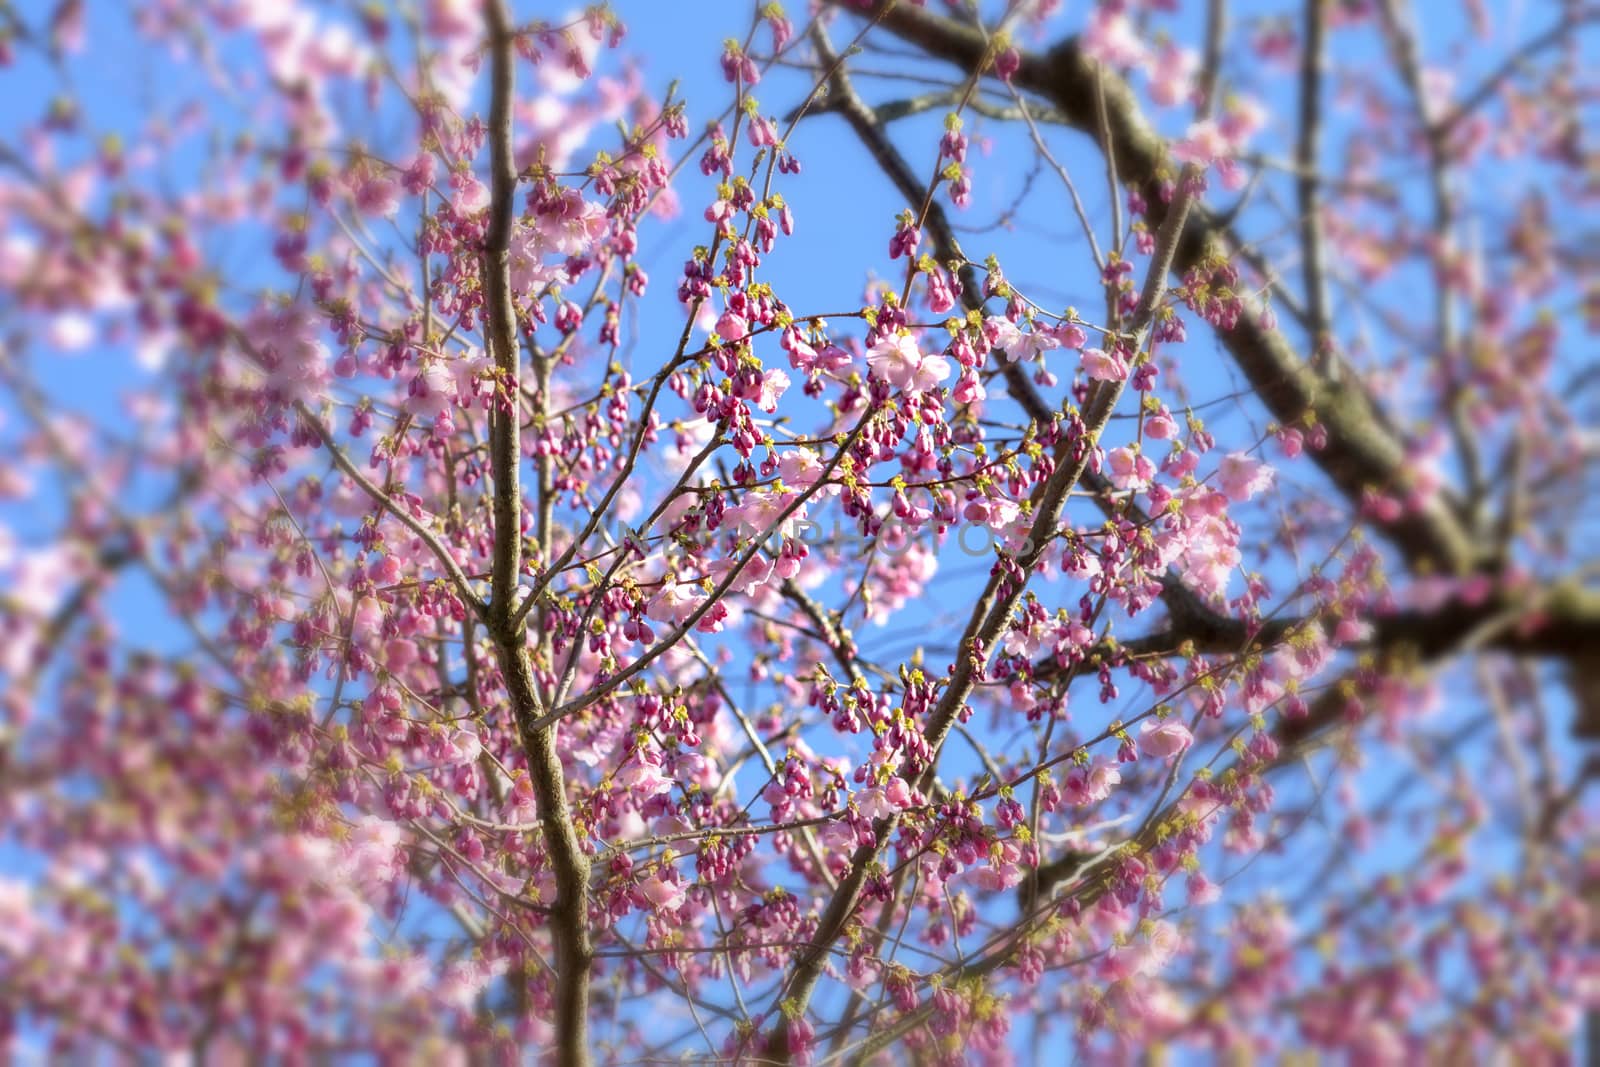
<point x="501" y="326"/>
<point x="1561" y="621"/>
<point x="569" y="918"/>
<point x="1306" y="157"/>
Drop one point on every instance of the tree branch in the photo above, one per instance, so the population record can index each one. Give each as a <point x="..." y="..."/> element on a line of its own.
<point x="1007" y="582"/>
<point x="1362" y="453"/>
<point x="569" y="915"/>
<point x="1307" y="151"/>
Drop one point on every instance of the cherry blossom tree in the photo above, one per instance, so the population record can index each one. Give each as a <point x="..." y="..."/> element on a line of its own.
<point x="497" y="567"/>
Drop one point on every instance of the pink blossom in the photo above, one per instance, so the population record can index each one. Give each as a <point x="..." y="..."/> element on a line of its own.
<point x="42" y="576"/>
<point x="1201" y="890"/>
<point x="289" y="344"/>
<point x="751" y="576"/>
<point x="759" y="512"/>
<point x="433" y="390"/>
<point x="664" y="894"/>
<point x="1242" y="477"/>
<point x="1210" y="556"/>
<point x="1111" y="39"/>
<point x="895" y="359"/>
<point x="1438" y="86"/>
<point x="464" y="746"/>
<point x="378" y="196"/>
<point x="1035" y="343"/>
<point x="930" y="372"/>
<point x="1024" y="641"/>
<point x="641" y="776"/>
<point x="802" y="355"/>
<point x="732" y="326"/>
<point x="1072" y="637"/>
<point x="773" y="384"/>
<point x="1003" y="871"/>
<point x="1071" y="335"/>
<point x="832" y="358"/>
<point x="1172" y="74"/>
<point x="16" y="917"/>
<point x="897" y="791"/>
<point x="800" y="467"/>
<point x="1164" y="738"/>
<point x="1015" y="344"/>
<point x="1103" y="366"/>
<point x="969" y="388"/>
<point x="1243" y="118"/>
<point x="1156" y="952"/>
<point x="1130" y="468"/>
<point x="875" y="803"/>
<point x="528" y="267"/>
<point x="1003" y="335"/>
<point x="1161" y="425"/>
<point x="675" y="602"/>
<point x="1202" y="145"/>
<point x="570" y="63"/>
<point x="71" y="331"/>
<point x="471" y="197"/>
<point x="1092" y="784"/>
<point x="463" y="982"/>
<point x="573" y="225"/>
<point x="399" y="654"/>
